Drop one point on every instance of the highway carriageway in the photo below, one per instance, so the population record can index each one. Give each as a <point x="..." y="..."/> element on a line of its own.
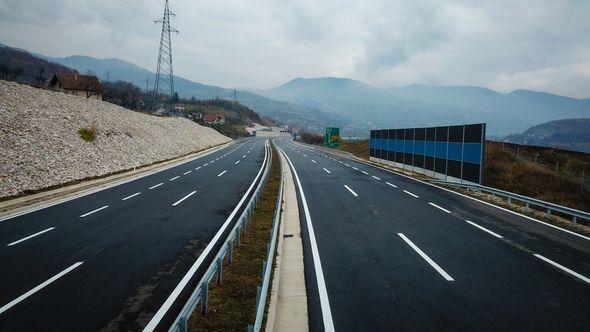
<point x="386" y="252"/>
<point x="111" y="258"/>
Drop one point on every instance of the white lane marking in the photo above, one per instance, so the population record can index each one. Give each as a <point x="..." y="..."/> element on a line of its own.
<point x="439" y="207"/>
<point x="327" y="171"/>
<point x="151" y="326"/>
<point x="322" y="291"/>
<point x="559" y="266"/>
<point x="212" y="161"/>
<point x="39" y="287"/>
<point x="185" y="197"/>
<point x="364" y="172"/>
<point x="30" y="236"/>
<point x="376" y="178"/>
<point x="220" y="174"/>
<point x="93" y="211"/>
<point x="130" y="196"/>
<point x="244" y="156"/>
<point x="187" y="172"/>
<point x="156" y="186"/>
<point x="340" y="162"/>
<point x="237" y="162"/>
<point x="298" y="151"/>
<point x="174" y="178"/>
<point x="391" y="184"/>
<point x="409" y="193"/>
<point x="205" y="164"/>
<point x="304" y="155"/>
<point x="426" y="258"/>
<point x="313" y="161"/>
<point x="198" y="168"/>
<point x="347" y="165"/>
<point x="351" y="191"/>
<point x="356" y="169"/>
<point x="484" y="229"/>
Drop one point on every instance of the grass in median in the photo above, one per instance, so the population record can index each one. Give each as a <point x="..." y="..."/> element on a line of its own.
<point x="232" y="306"/>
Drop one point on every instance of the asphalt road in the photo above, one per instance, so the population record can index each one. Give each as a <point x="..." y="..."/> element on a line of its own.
<point x="384" y="252"/>
<point x="109" y="260"/>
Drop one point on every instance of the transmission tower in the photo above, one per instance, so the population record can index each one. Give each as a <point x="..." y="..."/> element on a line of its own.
<point x="164" y="73"/>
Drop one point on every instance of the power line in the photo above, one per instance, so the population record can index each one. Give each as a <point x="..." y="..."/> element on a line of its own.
<point x="164" y="72"/>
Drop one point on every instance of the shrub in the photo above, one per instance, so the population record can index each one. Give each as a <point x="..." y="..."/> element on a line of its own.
<point x="89" y="134"/>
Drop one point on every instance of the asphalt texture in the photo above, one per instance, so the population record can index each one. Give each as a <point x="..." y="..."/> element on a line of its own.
<point x="113" y="269"/>
<point x="470" y="266"/>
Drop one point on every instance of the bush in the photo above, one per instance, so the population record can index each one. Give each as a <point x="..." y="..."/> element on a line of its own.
<point x="89" y="134"/>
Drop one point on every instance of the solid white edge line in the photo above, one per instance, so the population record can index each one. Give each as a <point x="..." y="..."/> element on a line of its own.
<point x="185" y="197"/>
<point x="174" y="178"/>
<point x="376" y="178"/>
<point x="572" y="272"/>
<point x="91" y="212"/>
<point x="39" y="287"/>
<point x="30" y="236"/>
<point x="426" y="258"/>
<point x="351" y="191"/>
<point x="156" y="186"/>
<point x="409" y="193"/>
<point x="391" y="184"/>
<point x="193" y="269"/>
<point x="130" y="196"/>
<point x="484" y="229"/>
<point x="220" y="174"/>
<point x="439" y="207"/>
<point x="323" y="293"/>
<point x="327" y="171"/>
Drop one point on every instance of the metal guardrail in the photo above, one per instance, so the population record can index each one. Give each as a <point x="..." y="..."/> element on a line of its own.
<point x="215" y="269"/>
<point x="528" y="201"/>
<point x="267" y="265"/>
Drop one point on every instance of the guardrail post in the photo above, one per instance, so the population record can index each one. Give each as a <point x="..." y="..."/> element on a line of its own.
<point x="548" y="213"/>
<point x="204" y="298"/>
<point x="574" y="221"/>
<point x="263" y="267"/>
<point x="510" y="201"/>
<point x="250" y="328"/>
<point x="526" y="207"/>
<point x="230" y="249"/>
<point x="219" y="270"/>
<point x="182" y="324"/>
<point x="238" y="236"/>
<point x="258" y="292"/>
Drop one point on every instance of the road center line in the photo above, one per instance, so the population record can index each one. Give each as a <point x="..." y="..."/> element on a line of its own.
<point x="313" y="161"/>
<point x="174" y="178"/>
<point x="484" y="229"/>
<point x="156" y="186"/>
<point x="91" y="212"/>
<point x="197" y="168"/>
<point x="559" y="266"/>
<point x="391" y="184"/>
<point x="409" y="193"/>
<point x="327" y="171"/>
<point x="426" y="258"/>
<point x="376" y="178"/>
<point x="351" y="191"/>
<point x="205" y="164"/>
<point x="356" y="169"/>
<point x="220" y="174"/>
<point x="187" y="172"/>
<point x="364" y="172"/>
<point x="185" y="197"/>
<point x="440" y="208"/>
<point x="237" y="162"/>
<point x="30" y="236"/>
<point x="244" y="156"/>
<point x="39" y="287"/>
<point x="347" y="165"/>
<point x="130" y="196"/>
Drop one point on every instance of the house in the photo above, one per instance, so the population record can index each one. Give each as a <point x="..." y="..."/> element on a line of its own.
<point x="179" y="107"/>
<point x="161" y="111"/>
<point x="86" y="86"/>
<point x="213" y="118"/>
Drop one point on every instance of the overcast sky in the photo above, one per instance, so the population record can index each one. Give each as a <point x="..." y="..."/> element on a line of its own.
<point x="505" y="45"/>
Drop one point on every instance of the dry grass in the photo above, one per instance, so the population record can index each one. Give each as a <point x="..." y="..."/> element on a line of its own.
<point x="232" y="306"/>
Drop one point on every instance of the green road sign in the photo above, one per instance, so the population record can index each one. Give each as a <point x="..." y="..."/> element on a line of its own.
<point x="332" y="137"/>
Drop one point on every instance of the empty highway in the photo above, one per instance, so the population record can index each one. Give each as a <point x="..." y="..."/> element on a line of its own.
<point x="109" y="260"/>
<point x="385" y="252"/>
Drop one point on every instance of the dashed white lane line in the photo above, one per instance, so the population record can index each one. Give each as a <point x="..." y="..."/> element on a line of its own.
<point x="220" y="174"/>
<point x="351" y="191"/>
<point x="205" y="164"/>
<point x="439" y="207"/>
<point x="347" y="165"/>
<point x="313" y="161"/>
<point x="156" y="186"/>
<point x="340" y="162"/>
<point x="356" y="169"/>
<point x="93" y="211"/>
<point x="409" y="193"/>
<point x="182" y="199"/>
<point x="376" y="178"/>
<point x="130" y="196"/>
<point x="248" y="151"/>
<point x="30" y="236"/>
<point x="391" y="184"/>
<point x="187" y="172"/>
<point x="426" y="258"/>
<point x="484" y="229"/>
<point x="197" y="168"/>
<point x="327" y="171"/>
<point x="364" y="172"/>
<point x="244" y="156"/>
<point x="39" y="287"/>
<point x="559" y="266"/>
<point x="174" y="178"/>
<point x="304" y="155"/>
<point x="237" y="162"/>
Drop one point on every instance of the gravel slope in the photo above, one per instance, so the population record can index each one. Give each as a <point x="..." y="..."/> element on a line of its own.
<point x="40" y="146"/>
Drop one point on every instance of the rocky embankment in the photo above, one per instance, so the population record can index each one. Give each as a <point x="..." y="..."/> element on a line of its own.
<point x="41" y="145"/>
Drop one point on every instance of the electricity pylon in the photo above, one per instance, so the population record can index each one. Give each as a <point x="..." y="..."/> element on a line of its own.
<point x="164" y="73"/>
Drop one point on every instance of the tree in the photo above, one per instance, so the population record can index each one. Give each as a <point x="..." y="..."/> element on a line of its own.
<point x="176" y="98"/>
<point x="40" y="78"/>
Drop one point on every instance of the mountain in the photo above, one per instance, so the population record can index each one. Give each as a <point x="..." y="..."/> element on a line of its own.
<point x="294" y="115"/>
<point x="417" y="105"/>
<point x="19" y="65"/>
<point x="571" y="134"/>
